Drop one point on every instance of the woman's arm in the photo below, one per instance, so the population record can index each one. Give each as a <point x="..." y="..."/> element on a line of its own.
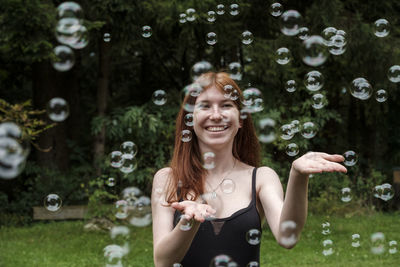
<point x="287" y="216"/>
<point x="171" y="243"/>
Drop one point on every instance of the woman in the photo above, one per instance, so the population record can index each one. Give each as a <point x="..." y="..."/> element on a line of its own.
<point x="205" y="213"/>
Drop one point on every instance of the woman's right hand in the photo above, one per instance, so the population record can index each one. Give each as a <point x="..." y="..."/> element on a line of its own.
<point x="194" y="210"/>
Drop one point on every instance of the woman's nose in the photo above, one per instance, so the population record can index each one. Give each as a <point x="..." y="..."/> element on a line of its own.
<point x="216" y="114"/>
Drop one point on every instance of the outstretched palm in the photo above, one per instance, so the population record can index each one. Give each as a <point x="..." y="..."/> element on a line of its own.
<point x="317" y="162"/>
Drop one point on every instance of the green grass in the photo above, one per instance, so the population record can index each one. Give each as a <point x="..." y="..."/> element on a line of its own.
<point x="67" y="244"/>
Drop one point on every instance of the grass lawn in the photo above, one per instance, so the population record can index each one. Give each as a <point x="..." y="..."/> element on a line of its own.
<point x="67" y="244"/>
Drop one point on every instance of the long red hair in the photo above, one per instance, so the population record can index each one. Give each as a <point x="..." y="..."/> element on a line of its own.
<point x="187" y="171"/>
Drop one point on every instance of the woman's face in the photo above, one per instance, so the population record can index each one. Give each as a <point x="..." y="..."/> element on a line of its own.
<point x="215" y="119"/>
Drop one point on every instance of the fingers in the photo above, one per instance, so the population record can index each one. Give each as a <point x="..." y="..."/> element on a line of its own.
<point x="194" y="210"/>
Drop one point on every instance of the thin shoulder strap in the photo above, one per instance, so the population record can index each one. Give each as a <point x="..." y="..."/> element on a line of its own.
<point x="253" y="184"/>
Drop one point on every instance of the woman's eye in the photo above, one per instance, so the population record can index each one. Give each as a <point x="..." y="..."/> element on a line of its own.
<point x="227" y="105"/>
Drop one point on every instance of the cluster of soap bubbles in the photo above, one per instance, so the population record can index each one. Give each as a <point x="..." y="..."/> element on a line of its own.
<point x="70" y="33"/>
<point x="335" y="40"/>
<point x="327" y="244"/>
<point x="124" y="159"/>
<point x="14" y="150"/>
<point x="384" y="191"/>
<point x="378" y="244"/>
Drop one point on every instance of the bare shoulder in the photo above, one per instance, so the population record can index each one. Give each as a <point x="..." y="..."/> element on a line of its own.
<point x="267" y="177"/>
<point x="162" y="176"/>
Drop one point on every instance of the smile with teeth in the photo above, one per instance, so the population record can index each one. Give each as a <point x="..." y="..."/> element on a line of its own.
<point x="216" y="128"/>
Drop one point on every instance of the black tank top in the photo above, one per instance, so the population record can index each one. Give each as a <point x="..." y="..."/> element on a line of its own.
<point x="226" y="236"/>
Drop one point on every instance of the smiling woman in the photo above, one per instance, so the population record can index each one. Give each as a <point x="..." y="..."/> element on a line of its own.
<point x="207" y="214"/>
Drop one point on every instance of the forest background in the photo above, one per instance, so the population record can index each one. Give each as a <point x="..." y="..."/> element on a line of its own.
<point x="109" y="92"/>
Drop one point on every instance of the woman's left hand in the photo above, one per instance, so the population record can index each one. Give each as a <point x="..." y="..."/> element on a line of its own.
<point x="317" y="162"/>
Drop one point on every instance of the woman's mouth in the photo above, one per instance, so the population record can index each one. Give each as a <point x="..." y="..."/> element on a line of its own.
<point x="216" y="128"/>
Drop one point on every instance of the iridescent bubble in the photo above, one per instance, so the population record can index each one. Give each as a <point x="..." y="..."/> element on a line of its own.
<point x="326" y="228"/>
<point x="221" y="261"/>
<point x="110" y="181"/>
<point x="228" y="91"/>
<point x="235" y="71"/>
<point x="266" y="128"/>
<point x="211" y="38"/>
<point x="292" y="149"/>
<point x="209" y="160"/>
<point x="82" y="38"/>
<point x="182" y="18"/>
<point x="392" y="247"/>
<point x="197" y="69"/>
<point x="191" y="14"/>
<point x="114" y="253"/>
<point x="107" y="37"/>
<point x="303" y="33"/>
<point x="314" y="51"/>
<point x="282" y="56"/>
<point x="341" y="32"/>
<point x="314" y="80"/>
<point x="327" y="247"/>
<point x="177" y="265"/>
<point x="247" y="37"/>
<point x="286" y="132"/>
<point x="188" y="119"/>
<point x="116" y="159"/>
<point x="394" y="74"/>
<point x="10" y="129"/>
<point x="309" y="130"/>
<point x="120" y="232"/>
<point x="159" y="97"/>
<point x="291" y="21"/>
<point x="337" y="45"/>
<point x="234" y="9"/>
<point x="345" y="194"/>
<point x="211" y="16"/>
<point x="52" y="202"/>
<point x="234" y="95"/>
<point x="69" y="9"/>
<point x="387" y="192"/>
<point x="65" y="58"/>
<point x="146" y="31"/>
<point x="252" y="100"/>
<point x="57" y="109"/>
<point x="129" y="147"/>
<point x="186" y="136"/>
<point x="361" y="88"/>
<point x="228" y="186"/>
<point x="327" y="34"/>
<point x="288" y="235"/>
<point x="377" y="243"/>
<point x="381" y="95"/>
<point x="69" y="30"/>
<point x="253" y="264"/>
<point x="350" y="158"/>
<point x="253" y="236"/>
<point x="131" y="195"/>
<point x="186" y="224"/>
<point x="355" y="240"/>
<point x="220" y="9"/>
<point x="290" y="86"/>
<point x="381" y="28"/>
<point x="12" y="156"/>
<point x="122" y="210"/>
<point x="141" y="212"/>
<point x="276" y="9"/>
<point x="129" y="163"/>
<point x="192" y="91"/>
<point x="318" y="101"/>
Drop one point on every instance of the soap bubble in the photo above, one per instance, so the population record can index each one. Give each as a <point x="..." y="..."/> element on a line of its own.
<point x="288" y="236"/>
<point x="377" y="243"/>
<point x="295" y="126"/>
<point x="220" y="9"/>
<point x="186" y="136"/>
<point x="291" y="21"/>
<point x="314" y="51"/>
<point x="253" y="264"/>
<point x="318" y="101"/>
<point x="381" y="28"/>
<point x="355" y="238"/>
<point x="107" y="37"/>
<point x="327" y="34"/>
<point x="159" y="97"/>
<point x="290" y="86"/>
<point x="110" y="181"/>
<point x="276" y="9"/>
<point x="69" y="30"/>
<point x="141" y="212"/>
<point x="12" y="154"/>
<point x="211" y="38"/>
<point x="266" y="127"/>
<point x="345" y="194"/>
<point x="252" y="100"/>
<point x="82" y="39"/>
<point x="146" y="31"/>
<point x="228" y="89"/>
<point x="195" y="72"/>
<point x="192" y="91"/>
<point x="234" y="9"/>
<point x="52" y="202"/>
<point x="392" y="247"/>
<point x="116" y="159"/>
<point x="384" y="191"/>
<point x="228" y="186"/>
<point x="129" y="147"/>
<point x="327" y="247"/>
<point x="247" y="37"/>
<point x="292" y="149"/>
<point x="186" y="224"/>
<point x="326" y="228"/>
<point x="65" y="58"/>
<point x="350" y="158"/>
<point x="114" y="253"/>
<point x="182" y="18"/>
<point x="253" y="236"/>
<point x="191" y="14"/>
<point x="394" y="74"/>
<point x="303" y="33"/>
<point x="221" y="261"/>
<point x="282" y="56"/>
<point x="57" y="109"/>
<point x="361" y="88"/>
<point x="309" y="130"/>
<point x="286" y="131"/>
<point x="189" y="119"/>
<point x="211" y="16"/>
<point x="235" y="71"/>
<point x="120" y="232"/>
<point x="121" y="207"/>
<point x="314" y="80"/>
<point x="69" y="9"/>
<point x="209" y="160"/>
<point x="337" y="45"/>
<point x="129" y="163"/>
<point x="381" y="95"/>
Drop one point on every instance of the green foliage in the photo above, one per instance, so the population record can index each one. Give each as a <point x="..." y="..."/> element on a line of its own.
<point x="100" y="200"/>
